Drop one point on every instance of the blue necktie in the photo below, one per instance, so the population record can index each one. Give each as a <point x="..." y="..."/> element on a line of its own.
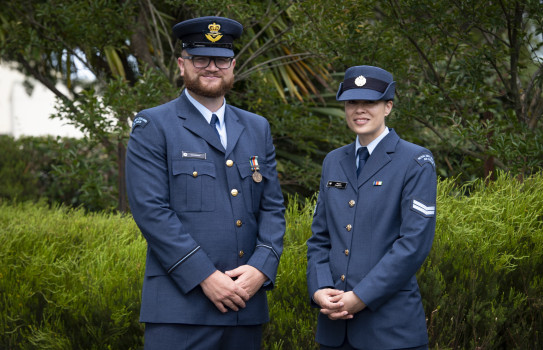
<point x="363" y="155"/>
<point x="214" y="123"/>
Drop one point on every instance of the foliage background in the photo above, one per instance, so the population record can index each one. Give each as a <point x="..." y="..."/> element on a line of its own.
<point x="469" y="87"/>
<point x="469" y="75"/>
<point x="71" y="279"/>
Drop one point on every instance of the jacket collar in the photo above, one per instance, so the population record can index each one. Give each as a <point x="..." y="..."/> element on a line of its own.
<point x="380" y="156"/>
<point x="197" y="124"/>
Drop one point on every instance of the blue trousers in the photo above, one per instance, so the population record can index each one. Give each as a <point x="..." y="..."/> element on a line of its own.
<point x="169" y="336"/>
<point x="347" y="346"/>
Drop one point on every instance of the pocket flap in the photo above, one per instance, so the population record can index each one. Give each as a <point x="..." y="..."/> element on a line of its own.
<point x="245" y="171"/>
<point x="182" y="166"/>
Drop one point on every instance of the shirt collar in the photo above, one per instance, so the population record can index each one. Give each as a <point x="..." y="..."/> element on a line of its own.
<point x="373" y="143"/>
<point x="206" y="113"/>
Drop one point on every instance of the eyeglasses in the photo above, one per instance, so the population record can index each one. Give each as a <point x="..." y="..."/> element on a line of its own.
<point x="204" y="61"/>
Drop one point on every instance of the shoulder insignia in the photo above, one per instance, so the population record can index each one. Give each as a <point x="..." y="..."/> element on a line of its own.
<point x="139" y="121"/>
<point x="423" y="209"/>
<point x="425" y="158"/>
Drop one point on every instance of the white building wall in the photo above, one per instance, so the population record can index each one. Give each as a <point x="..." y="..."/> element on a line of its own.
<point x="24" y="115"/>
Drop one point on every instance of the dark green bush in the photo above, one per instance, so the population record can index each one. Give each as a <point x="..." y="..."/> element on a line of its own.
<point x="68" y="171"/>
<point x="17" y="170"/>
<point x="70" y="280"/>
<point x="292" y="323"/>
<point x="482" y="284"/>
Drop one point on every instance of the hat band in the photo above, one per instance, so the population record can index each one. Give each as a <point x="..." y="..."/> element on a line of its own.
<point x="370" y="83"/>
<point x="208" y="44"/>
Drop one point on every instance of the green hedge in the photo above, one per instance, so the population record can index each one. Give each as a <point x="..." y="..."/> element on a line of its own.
<point x="75" y="172"/>
<point x="70" y="280"/>
<point x="482" y="284"/>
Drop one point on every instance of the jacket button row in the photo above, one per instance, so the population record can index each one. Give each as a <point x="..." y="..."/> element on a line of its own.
<point x="238" y="223"/>
<point x="346" y="252"/>
<point x="349" y="227"/>
<point x="234" y="192"/>
<point x="342" y="278"/>
<point x="229" y="162"/>
<point x="241" y="253"/>
<point x="194" y="173"/>
<point x="352" y="203"/>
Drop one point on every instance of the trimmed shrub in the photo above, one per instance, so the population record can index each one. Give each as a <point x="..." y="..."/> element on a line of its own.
<point x="482" y="284"/>
<point x="70" y="280"/>
<point x="293" y="321"/>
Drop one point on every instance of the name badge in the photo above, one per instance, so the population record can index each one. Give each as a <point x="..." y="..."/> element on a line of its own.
<point x="193" y="155"/>
<point x="337" y="184"/>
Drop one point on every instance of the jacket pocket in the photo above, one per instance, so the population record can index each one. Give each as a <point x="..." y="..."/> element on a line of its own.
<point x="193" y="187"/>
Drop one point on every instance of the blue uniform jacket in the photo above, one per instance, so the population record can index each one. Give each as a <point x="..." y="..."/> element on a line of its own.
<point x="370" y="236"/>
<point x="199" y="209"/>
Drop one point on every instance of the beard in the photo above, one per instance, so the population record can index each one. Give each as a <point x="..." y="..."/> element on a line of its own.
<point x="193" y="84"/>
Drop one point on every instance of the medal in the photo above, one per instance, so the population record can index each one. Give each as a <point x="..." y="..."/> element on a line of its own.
<point x="257" y="177"/>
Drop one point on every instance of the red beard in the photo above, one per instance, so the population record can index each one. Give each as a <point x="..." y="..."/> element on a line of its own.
<point x="194" y="85"/>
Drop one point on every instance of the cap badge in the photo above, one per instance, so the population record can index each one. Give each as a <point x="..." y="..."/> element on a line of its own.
<point x="360" y="81"/>
<point x="214" y="34"/>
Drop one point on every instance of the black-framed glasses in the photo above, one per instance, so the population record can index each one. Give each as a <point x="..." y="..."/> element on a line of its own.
<point x="204" y="61"/>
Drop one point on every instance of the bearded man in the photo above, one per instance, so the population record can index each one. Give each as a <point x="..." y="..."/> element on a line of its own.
<point x="203" y="189"/>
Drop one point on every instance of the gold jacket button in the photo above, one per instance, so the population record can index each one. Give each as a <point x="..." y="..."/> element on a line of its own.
<point x="347" y="252"/>
<point x="349" y="227"/>
<point x="194" y="173"/>
<point x="342" y="278"/>
<point x="241" y="253"/>
<point x="238" y="223"/>
<point x="352" y="203"/>
<point x="229" y="162"/>
<point x="234" y="192"/>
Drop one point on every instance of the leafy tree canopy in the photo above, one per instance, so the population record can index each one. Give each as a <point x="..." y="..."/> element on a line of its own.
<point x="469" y="73"/>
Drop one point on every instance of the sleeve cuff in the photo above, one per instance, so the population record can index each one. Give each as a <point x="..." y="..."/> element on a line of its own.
<point x="266" y="260"/>
<point x="191" y="270"/>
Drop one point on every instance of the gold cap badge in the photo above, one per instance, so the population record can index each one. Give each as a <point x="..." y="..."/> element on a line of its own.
<point x="360" y="81"/>
<point x="214" y="34"/>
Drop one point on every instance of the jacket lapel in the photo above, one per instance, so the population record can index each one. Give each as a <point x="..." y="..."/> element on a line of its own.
<point x="196" y="123"/>
<point x="234" y="129"/>
<point x="379" y="157"/>
<point x="348" y="164"/>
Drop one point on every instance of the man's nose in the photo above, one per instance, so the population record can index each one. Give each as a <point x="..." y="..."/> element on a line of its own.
<point x="212" y="65"/>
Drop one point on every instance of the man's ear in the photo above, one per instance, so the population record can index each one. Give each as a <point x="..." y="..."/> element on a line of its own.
<point x="181" y="65"/>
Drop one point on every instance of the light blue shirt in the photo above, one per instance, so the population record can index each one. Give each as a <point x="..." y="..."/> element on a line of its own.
<point x="371" y="145"/>
<point x="206" y="113"/>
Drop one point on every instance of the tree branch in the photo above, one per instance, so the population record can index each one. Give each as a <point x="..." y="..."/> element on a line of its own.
<point x="38" y="76"/>
<point x="263" y="30"/>
<point x="264" y="65"/>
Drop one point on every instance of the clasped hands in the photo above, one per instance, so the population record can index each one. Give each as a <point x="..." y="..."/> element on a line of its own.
<point x="337" y="304"/>
<point x="229" y="293"/>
